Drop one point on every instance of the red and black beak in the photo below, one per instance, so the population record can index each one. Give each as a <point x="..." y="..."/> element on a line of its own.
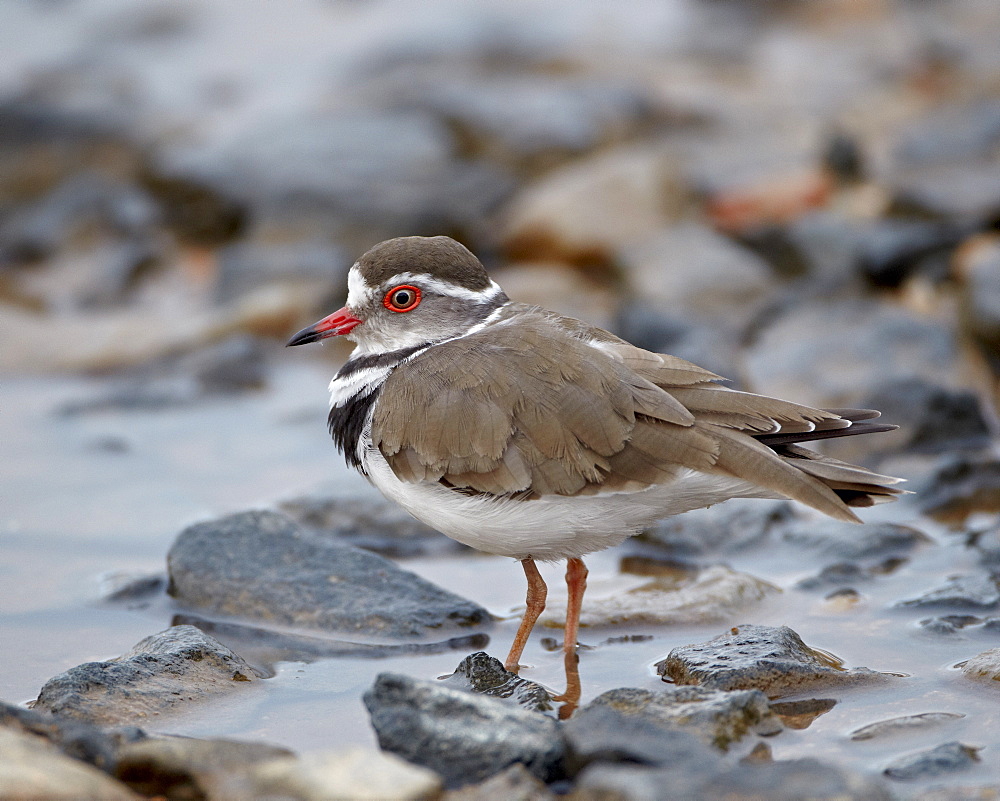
<point x="337" y="324"/>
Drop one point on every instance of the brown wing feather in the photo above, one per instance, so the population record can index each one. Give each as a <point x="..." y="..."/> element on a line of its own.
<point x="581" y="419"/>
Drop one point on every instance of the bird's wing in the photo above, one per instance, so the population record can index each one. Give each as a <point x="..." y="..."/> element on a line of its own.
<point x="531" y="406"/>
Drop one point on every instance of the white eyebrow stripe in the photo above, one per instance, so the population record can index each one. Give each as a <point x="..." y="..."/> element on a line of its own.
<point x="446" y="288"/>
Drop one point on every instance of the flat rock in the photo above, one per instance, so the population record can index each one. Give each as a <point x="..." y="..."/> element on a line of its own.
<point x="464" y="737"/>
<point x="486" y="675"/>
<point x="977" y="591"/>
<point x="942" y="760"/>
<point x="832" y="538"/>
<point x="183" y="767"/>
<point x="176" y="667"/>
<point x="980" y="294"/>
<point x="370" y="523"/>
<point x="715" y="594"/>
<point x="715" y="717"/>
<point x="952" y="624"/>
<point x="356" y="774"/>
<point x="906" y="723"/>
<point x="261" y="565"/>
<point x="984" y="666"/>
<point x="31" y="768"/>
<point x="771" y="659"/>
<point x="728" y="527"/>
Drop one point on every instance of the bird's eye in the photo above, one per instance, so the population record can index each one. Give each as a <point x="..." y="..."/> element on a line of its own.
<point x="402" y="298"/>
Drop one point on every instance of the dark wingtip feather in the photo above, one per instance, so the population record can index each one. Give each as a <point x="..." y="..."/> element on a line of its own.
<point x="810" y="436"/>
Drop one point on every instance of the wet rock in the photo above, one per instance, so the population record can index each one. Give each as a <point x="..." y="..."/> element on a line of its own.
<point x="987" y="545"/>
<point x="264" y="647"/>
<point x="31" y="768"/>
<point x="715" y="717"/>
<point x="355" y="774"/>
<point x="964" y="484"/>
<point x="246" y="265"/>
<point x="771" y="659"/>
<point x="689" y="269"/>
<point x="264" y="567"/>
<point x="839" y="574"/>
<point x="716" y="593"/>
<point x="906" y="723"/>
<point x="819" y="352"/>
<point x="601" y="733"/>
<point x="728" y="527"/>
<point x="198" y="212"/>
<point x="181" y="767"/>
<point x="74" y="738"/>
<point x="370" y="523"/>
<point x="802" y="714"/>
<point x="950" y="133"/>
<point x="135" y="592"/>
<point x="777" y="781"/>
<point x="950" y="192"/>
<point x="581" y="214"/>
<point x="178" y="666"/>
<point x="465" y="738"/>
<point x="931" y="418"/>
<point x="949" y="624"/>
<point x="486" y="675"/>
<point x="939" y="761"/>
<point x="978" y="591"/>
<point x="850" y="541"/>
<point x="513" y="784"/>
<point x="984" y="666"/>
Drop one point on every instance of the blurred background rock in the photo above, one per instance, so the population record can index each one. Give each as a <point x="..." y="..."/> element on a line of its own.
<point x="803" y="196"/>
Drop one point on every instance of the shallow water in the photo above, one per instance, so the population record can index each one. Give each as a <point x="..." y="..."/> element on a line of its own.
<point x="88" y="496"/>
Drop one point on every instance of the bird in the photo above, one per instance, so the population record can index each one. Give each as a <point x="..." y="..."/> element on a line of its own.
<point x="524" y="433"/>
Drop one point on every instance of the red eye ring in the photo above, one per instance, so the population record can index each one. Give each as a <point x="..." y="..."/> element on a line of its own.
<point x="410" y="298"/>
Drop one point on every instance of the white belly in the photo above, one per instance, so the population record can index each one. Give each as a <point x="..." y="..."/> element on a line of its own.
<point x="553" y="527"/>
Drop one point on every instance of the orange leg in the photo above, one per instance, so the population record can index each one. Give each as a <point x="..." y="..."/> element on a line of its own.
<point x="576" y="584"/>
<point x="535" y="602"/>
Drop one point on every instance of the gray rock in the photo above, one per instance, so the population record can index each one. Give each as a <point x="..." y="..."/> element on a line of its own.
<point x="963" y="484"/>
<point x="75" y="738"/>
<point x="771" y="659"/>
<point x="175" y="667"/>
<point x="486" y="675"/>
<point x="715" y="593"/>
<point x="850" y="541"/>
<point x="949" y="192"/>
<point x="777" y="781"/>
<point x="31" y="768"/>
<point x="893" y="251"/>
<point x="513" y="784"/>
<point x="263" y="648"/>
<point x="262" y="566"/>
<point x="942" y="760"/>
<point x="980" y="297"/>
<point x="906" y="723"/>
<point x="725" y="528"/>
<point x="370" y="523"/>
<point x="600" y="733"/>
<point x="819" y="352"/>
<point x="986" y="545"/>
<point x="715" y="717"/>
<point x="978" y="591"/>
<point x="931" y="418"/>
<point x="357" y="774"/>
<point x="181" y="767"/>
<point x="465" y="738"/>
<point x="951" y="133"/>
<point x="984" y="666"/>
